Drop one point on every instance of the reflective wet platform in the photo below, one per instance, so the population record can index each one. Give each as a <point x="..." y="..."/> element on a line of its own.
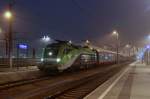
<point x="131" y="83"/>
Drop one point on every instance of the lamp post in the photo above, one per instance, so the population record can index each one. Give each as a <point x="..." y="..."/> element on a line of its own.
<point x="9" y="41"/>
<point x="0" y="30"/>
<point x="148" y="49"/>
<point x="116" y="34"/>
<point x="8" y="16"/>
<point x="128" y="49"/>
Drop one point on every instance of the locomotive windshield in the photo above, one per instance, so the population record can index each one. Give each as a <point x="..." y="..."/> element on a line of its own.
<point x="51" y="52"/>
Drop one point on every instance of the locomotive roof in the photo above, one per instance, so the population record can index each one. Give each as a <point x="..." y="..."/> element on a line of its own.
<point x="103" y="50"/>
<point x="60" y="42"/>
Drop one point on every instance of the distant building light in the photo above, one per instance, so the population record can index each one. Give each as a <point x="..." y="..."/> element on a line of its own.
<point x="46" y="38"/>
<point x="127" y="46"/>
<point x="87" y="41"/>
<point x="23" y="46"/>
<point x="148" y="37"/>
<point x="148" y="46"/>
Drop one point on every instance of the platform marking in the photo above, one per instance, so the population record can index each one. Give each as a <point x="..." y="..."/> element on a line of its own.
<point x="112" y="85"/>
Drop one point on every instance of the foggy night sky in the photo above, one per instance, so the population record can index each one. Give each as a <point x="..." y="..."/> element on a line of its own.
<point x="81" y="19"/>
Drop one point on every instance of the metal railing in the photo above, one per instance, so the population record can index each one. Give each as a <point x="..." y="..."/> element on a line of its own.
<point x="19" y="62"/>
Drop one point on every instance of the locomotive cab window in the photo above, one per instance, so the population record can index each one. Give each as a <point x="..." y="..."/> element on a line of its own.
<point x="67" y="50"/>
<point x="51" y="52"/>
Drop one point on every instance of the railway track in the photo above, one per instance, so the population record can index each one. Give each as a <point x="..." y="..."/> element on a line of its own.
<point x="22" y="82"/>
<point x="80" y="90"/>
<point x="65" y="86"/>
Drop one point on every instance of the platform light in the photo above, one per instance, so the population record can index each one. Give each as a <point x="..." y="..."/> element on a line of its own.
<point x="127" y="46"/>
<point x="140" y="54"/>
<point x="115" y="33"/>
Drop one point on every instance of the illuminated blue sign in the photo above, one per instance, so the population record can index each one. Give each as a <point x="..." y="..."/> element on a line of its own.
<point x="23" y="46"/>
<point x="148" y="46"/>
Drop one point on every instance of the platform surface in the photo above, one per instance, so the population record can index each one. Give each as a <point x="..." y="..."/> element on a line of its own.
<point x="21" y="73"/>
<point x="131" y="83"/>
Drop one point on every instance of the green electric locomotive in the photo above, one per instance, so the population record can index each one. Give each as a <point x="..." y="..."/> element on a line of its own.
<point x="63" y="55"/>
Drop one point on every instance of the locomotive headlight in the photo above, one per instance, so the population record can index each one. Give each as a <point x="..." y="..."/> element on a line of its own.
<point x="58" y="60"/>
<point x="50" y="53"/>
<point x="42" y="59"/>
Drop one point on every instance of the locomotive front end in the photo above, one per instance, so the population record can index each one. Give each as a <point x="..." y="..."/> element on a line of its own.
<point x="50" y="60"/>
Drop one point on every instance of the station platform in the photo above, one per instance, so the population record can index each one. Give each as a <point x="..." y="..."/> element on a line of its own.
<point x="132" y="82"/>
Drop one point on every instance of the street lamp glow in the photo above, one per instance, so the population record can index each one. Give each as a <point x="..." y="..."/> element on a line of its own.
<point x="8" y="15"/>
<point x="115" y="32"/>
<point x="127" y="46"/>
<point x="70" y="42"/>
